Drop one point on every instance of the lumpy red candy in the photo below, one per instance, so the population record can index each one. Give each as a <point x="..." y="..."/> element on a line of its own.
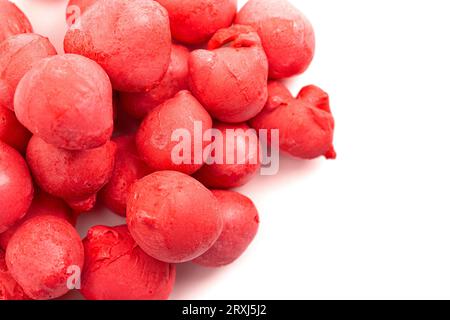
<point x="128" y="169"/>
<point x="286" y="34"/>
<point x="129" y="39"/>
<point x="305" y="123"/>
<point x="241" y="147"/>
<point x="16" y="187"/>
<point x="12" y="20"/>
<point x="67" y="101"/>
<point x="194" y="22"/>
<point x="9" y="288"/>
<point x="75" y="176"/>
<point x="43" y="255"/>
<point x="117" y="269"/>
<point x="230" y="79"/>
<point x="43" y="204"/>
<point x="154" y="138"/>
<point x="75" y="9"/>
<point x="11" y="130"/>
<point x="173" y="217"/>
<point x="240" y="225"/>
<point x="176" y="79"/>
<point x="18" y="54"/>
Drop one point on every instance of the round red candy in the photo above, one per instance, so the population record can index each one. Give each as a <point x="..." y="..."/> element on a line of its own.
<point x="129" y="39"/>
<point x="117" y="269"/>
<point x="287" y="35"/>
<point x="240" y="225"/>
<point x="12" y="20"/>
<point x="173" y="217"/>
<point x="240" y="147"/>
<point x="16" y="187"/>
<point x="194" y="22"/>
<point x="67" y="101"/>
<point x="75" y="176"/>
<point x="43" y="255"/>
<point x="18" y="54"/>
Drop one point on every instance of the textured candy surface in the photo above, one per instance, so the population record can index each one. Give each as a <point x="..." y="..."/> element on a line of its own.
<point x="43" y="204"/>
<point x="129" y="39"/>
<point x="42" y="256"/>
<point x="75" y="176"/>
<point x="16" y="187"/>
<point x="194" y="22"/>
<point x="240" y="225"/>
<point x="138" y="105"/>
<point x="11" y="130"/>
<point x="154" y="138"/>
<point x="230" y="79"/>
<point x="67" y="101"/>
<point x="12" y="20"/>
<point x="173" y="217"/>
<point x="117" y="269"/>
<point x="305" y="123"/>
<point x="9" y="288"/>
<point x="128" y="168"/>
<point x="241" y="148"/>
<point x="18" y="54"/>
<point x="287" y="35"/>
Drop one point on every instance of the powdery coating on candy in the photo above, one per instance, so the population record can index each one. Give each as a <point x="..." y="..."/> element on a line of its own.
<point x="9" y="288"/>
<point x="173" y="217"/>
<point x="176" y="79"/>
<point x="194" y="22"/>
<point x="16" y="187"/>
<point x="75" y="8"/>
<point x="42" y="253"/>
<point x="240" y="225"/>
<point x="117" y="269"/>
<point x="75" y="176"/>
<point x="12" y="20"/>
<point x="230" y="79"/>
<point x="67" y="101"/>
<point x="305" y="123"/>
<point x="128" y="169"/>
<point x="11" y="130"/>
<point x="286" y="34"/>
<point x="154" y="138"/>
<point x="129" y="39"/>
<point x="237" y="174"/>
<point x="18" y="54"/>
<point x="43" y="204"/>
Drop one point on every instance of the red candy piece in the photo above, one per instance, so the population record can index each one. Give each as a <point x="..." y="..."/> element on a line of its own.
<point x="173" y="217"/>
<point x="230" y="79"/>
<point x="240" y="225"/>
<point x="75" y="176"/>
<point x="194" y="22"/>
<point x="243" y="149"/>
<point x="42" y="256"/>
<point x="12" y="20"/>
<point x="9" y="289"/>
<point x="129" y="39"/>
<point x="286" y="34"/>
<point x="43" y="204"/>
<point x="128" y="169"/>
<point x="154" y="138"/>
<point x="117" y="269"/>
<point x="176" y="79"/>
<point x="18" y="54"/>
<point x="306" y="124"/>
<point x="12" y="132"/>
<point x="67" y="101"/>
<point x="16" y="187"/>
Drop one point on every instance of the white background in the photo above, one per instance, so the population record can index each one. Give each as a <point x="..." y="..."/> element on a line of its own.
<point x="375" y="223"/>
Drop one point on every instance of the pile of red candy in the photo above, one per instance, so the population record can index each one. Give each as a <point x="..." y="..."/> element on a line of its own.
<point x="94" y="125"/>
